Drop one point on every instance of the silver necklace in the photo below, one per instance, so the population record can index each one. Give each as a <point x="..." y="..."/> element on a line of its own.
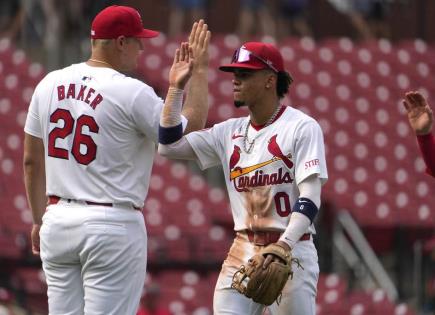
<point x="100" y="61"/>
<point x="246" y="141"/>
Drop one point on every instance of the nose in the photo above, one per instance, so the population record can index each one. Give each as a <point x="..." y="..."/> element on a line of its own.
<point x="236" y="82"/>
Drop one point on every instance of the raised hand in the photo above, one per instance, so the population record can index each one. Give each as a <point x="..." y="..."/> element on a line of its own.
<point x="199" y="40"/>
<point x="182" y="66"/>
<point x="420" y="115"/>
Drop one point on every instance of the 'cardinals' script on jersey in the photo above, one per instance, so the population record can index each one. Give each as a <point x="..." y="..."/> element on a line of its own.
<point x="262" y="184"/>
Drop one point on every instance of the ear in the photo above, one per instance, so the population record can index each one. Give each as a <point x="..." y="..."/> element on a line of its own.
<point x="120" y="42"/>
<point x="270" y="80"/>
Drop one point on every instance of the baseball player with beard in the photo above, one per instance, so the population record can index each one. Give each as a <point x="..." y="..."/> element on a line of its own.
<point x="90" y="138"/>
<point x="274" y="165"/>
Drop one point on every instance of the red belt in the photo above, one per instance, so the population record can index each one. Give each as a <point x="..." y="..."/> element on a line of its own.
<point x="52" y="200"/>
<point x="264" y="238"/>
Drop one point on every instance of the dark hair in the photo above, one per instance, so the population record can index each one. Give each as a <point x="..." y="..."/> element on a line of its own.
<point x="283" y="83"/>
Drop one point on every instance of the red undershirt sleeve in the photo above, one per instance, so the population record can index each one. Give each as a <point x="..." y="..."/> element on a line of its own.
<point x="427" y="148"/>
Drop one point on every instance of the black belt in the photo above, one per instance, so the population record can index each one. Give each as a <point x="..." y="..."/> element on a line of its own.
<point x="264" y="238"/>
<point x="52" y="200"/>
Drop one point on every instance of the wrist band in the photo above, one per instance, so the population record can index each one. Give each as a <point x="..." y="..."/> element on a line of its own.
<point x="168" y="135"/>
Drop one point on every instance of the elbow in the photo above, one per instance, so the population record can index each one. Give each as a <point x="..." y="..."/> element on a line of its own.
<point x="163" y="151"/>
<point x="28" y="162"/>
<point x="32" y="165"/>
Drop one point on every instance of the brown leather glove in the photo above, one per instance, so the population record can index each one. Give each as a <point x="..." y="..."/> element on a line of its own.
<point x="264" y="286"/>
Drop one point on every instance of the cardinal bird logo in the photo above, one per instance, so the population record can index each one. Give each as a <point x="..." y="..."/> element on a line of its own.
<point x="274" y="148"/>
<point x="235" y="157"/>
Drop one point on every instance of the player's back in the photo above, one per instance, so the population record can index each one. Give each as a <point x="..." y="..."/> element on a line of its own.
<point x="99" y="129"/>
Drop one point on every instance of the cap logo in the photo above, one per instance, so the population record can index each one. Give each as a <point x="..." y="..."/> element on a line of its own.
<point x="92" y="32"/>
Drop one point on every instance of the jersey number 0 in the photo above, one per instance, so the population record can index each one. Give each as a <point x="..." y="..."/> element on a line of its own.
<point x="79" y="137"/>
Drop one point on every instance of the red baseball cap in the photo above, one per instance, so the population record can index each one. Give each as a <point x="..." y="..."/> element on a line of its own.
<point x="256" y="56"/>
<point x="115" y="21"/>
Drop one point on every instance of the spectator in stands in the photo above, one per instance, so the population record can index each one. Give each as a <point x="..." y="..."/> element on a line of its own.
<point x="253" y="14"/>
<point x="6" y="302"/>
<point x="429" y="305"/>
<point x="11" y="18"/>
<point x="292" y="18"/>
<point x="150" y="302"/>
<point x="377" y="18"/>
<point x="368" y="17"/>
<point x="420" y="118"/>
<point x="353" y="11"/>
<point x="64" y="31"/>
<point x="179" y="9"/>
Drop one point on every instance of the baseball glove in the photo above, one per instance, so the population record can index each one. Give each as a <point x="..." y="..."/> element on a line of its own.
<point x="264" y="286"/>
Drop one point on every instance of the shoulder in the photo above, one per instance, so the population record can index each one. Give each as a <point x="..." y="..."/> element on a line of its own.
<point x="134" y="87"/>
<point x="48" y="81"/>
<point x="299" y="118"/>
<point x="297" y="115"/>
<point x="59" y="74"/>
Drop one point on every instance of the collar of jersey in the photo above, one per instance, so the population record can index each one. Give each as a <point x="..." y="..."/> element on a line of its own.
<point x="259" y="127"/>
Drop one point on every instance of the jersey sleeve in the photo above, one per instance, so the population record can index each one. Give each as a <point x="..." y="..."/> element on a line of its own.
<point x="310" y="152"/>
<point x="207" y="146"/>
<point x="146" y="110"/>
<point x="33" y="121"/>
<point x="427" y="148"/>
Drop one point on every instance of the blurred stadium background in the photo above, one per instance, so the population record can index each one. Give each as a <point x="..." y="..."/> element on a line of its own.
<point x="351" y="65"/>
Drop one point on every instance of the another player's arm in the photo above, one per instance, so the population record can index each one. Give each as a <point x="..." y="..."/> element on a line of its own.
<point x="421" y="118"/>
<point x="420" y="114"/>
<point x="34" y="179"/>
<point x="171" y="141"/>
<point x="304" y="211"/>
<point x="195" y="107"/>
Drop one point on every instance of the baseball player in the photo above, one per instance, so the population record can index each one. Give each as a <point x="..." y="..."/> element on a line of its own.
<point x="90" y="138"/>
<point x="420" y="118"/>
<point x="274" y="167"/>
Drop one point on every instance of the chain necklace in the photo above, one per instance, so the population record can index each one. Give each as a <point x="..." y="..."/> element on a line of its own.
<point x="100" y="61"/>
<point x="246" y="141"/>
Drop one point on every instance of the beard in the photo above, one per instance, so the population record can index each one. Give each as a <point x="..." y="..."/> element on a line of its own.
<point x="239" y="104"/>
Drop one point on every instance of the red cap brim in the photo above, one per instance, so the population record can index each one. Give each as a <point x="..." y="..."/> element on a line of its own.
<point x="147" y="34"/>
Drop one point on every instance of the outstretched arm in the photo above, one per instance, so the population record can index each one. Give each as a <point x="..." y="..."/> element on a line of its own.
<point x="420" y="118"/>
<point x="181" y="150"/>
<point x="195" y="108"/>
<point x="420" y="114"/>
<point x="196" y="105"/>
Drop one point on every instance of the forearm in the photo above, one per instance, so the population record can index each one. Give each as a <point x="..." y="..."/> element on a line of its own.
<point x="34" y="178"/>
<point x="177" y="150"/>
<point x="170" y="126"/>
<point x="427" y="148"/>
<point x="195" y="107"/>
<point x="309" y="189"/>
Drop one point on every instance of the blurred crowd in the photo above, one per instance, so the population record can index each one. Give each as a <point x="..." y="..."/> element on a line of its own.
<point x="282" y="18"/>
<point x="59" y="28"/>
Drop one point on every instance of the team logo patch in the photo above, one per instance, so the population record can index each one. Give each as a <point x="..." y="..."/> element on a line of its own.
<point x="240" y="175"/>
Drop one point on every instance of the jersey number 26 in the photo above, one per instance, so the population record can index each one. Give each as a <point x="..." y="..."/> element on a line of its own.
<point x="79" y="137"/>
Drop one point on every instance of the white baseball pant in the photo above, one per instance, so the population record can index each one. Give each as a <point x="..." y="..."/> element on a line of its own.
<point x="298" y="296"/>
<point x="94" y="258"/>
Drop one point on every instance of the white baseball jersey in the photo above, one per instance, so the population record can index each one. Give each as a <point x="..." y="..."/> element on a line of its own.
<point x="99" y="129"/>
<point x="262" y="184"/>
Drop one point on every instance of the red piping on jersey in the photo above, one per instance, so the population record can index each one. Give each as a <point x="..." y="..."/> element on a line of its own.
<point x="259" y="127"/>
